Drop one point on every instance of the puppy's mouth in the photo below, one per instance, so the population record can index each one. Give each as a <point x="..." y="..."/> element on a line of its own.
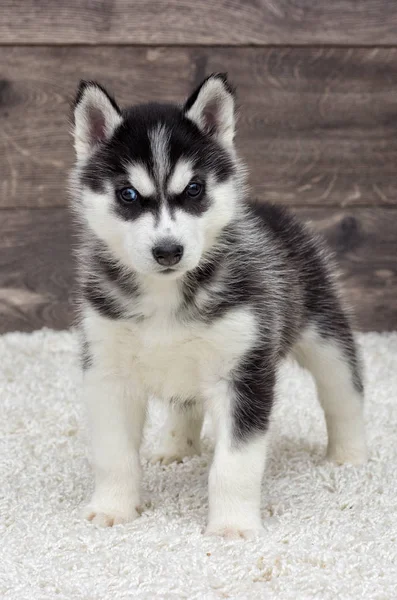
<point x="167" y="271"/>
<point x="170" y="273"/>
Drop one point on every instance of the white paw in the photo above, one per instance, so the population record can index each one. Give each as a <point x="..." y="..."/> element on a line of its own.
<point x="234" y="532"/>
<point x="170" y="452"/>
<point x="353" y="455"/>
<point x="109" y="516"/>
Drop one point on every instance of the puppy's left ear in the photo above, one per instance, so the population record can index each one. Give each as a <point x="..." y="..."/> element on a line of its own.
<point x="96" y="116"/>
<point x="211" y="108"/>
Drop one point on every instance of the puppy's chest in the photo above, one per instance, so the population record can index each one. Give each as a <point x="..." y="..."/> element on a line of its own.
<point x="172" y="359"/>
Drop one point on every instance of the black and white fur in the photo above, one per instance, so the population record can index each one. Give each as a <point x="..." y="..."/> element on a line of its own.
<point x="251" y="287"/>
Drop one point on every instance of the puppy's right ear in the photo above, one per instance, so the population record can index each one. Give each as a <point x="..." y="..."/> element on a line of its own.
<point x="96" y="116"/>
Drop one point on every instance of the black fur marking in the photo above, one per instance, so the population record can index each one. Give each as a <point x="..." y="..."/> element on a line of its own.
<point x="198" y="279"/>
<point x="253" y="385"/>
<point x="85" y="355"/>
<point x="90" y="180"/>
<point x="118" y="275"/>
<point x="192" y="206"/>
<point x="102" y="302"/>
<point x="201" y="276"/>
<point x="105" y="273"/>
<point x="134" y="210"/>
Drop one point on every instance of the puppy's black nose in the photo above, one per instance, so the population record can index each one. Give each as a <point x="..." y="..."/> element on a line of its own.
<point x="168" y="253"/>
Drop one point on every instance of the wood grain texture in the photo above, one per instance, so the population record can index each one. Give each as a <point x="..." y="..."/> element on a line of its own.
<point x="365" y="245"/>
<point x="36" y="265"/>
<point x="36" y="269"/>
<point x="260" y="22"/>
<point x="316" y="127"/>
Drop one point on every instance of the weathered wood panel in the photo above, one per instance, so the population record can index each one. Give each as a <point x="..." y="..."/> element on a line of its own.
<point x="36" y="265"/>
<point x="317" y="126"/>
<point x="365" y="245"/>
<point x="36" y="269"/>
<point x="261" y="22"/>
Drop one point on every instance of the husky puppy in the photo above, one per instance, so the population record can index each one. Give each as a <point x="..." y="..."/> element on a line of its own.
<point x="191" y="293"/>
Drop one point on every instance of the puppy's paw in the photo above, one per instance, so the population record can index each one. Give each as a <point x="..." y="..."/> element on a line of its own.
<point x="175" y="451"/>
<point x="354" y="455"/>
<point x="107" y="517"/>
<point x="234" y="532"/>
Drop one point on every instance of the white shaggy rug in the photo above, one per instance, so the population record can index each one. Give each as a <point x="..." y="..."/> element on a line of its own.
<point x="330" y="532"/>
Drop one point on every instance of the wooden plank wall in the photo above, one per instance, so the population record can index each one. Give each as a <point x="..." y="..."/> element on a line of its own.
<point x="317" y="89"/>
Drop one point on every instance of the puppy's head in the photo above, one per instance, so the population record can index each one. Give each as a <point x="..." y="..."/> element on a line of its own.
<point x="157" y="183"/>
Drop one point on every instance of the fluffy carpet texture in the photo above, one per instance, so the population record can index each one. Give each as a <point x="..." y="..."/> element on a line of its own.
<point x="330" y="532"/>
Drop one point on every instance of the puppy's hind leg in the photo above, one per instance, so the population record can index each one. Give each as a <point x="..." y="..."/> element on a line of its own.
<point x="332" y="359"/>
<point x="181" y="434"/>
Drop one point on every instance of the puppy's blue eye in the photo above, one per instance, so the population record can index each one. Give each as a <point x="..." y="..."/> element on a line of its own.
<point x="194" y="189"/>
<point x="128" y="194"/>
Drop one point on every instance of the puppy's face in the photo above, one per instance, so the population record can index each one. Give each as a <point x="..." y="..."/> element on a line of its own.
<point x="156" y="183"/>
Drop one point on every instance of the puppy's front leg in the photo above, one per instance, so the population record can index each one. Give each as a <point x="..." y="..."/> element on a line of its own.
<point x="117" y="413"/>
<point x="241" y="420"/>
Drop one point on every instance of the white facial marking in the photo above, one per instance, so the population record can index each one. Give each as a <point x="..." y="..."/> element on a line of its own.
<point x="159" y="142"/>
<point x="141" y="180"/>
<point x="224" y="200"/>
<point x="181" y="176"/>
<point x="165" y="224"/>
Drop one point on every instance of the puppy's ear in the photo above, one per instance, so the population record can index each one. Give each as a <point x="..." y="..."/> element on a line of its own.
<point x="211" y="108"/>
<point x="96" y="116"/>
